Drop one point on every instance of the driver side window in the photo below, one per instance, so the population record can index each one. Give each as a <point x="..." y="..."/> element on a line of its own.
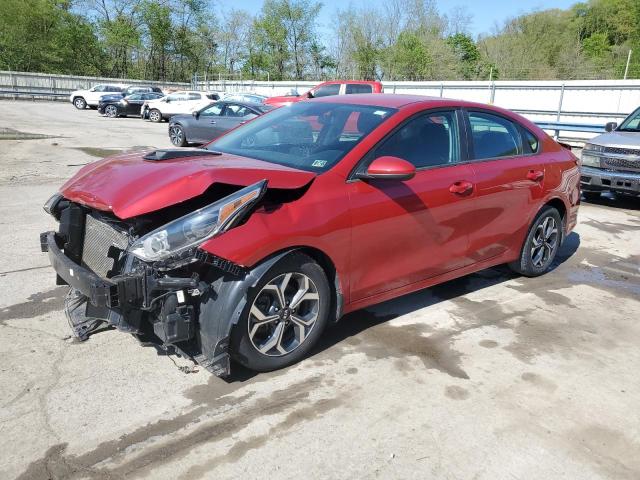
<point x="212" y="111"/>
<point x="233" y="110"/>
<point x="429" y="140"/>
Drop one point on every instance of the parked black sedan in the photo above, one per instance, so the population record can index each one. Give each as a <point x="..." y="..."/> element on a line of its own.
<point x="131" y="105"/>
<point x="210" y="122"/>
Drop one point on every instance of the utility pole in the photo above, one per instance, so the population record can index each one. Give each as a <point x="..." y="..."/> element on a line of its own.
<point x="626" y="70"/>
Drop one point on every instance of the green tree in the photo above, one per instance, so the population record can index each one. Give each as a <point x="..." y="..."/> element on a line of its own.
<point x="467" y="55"/>
<point x="43" y="36"/>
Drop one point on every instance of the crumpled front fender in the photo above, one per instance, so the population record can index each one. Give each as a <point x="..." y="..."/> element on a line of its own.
<point x="220" y="309"/>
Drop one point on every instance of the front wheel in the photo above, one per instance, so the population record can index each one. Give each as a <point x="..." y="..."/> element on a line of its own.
<point x="111" y="111"/>
<point x="541" y="245"/>
<point x="80" y="103"/>
<point x="177" y="136"/>
<point x="155" y="116"/>
<point x="285" y="315"/>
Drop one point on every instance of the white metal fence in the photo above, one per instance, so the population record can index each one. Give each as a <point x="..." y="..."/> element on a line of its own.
<point x="576" y="101"/>
<point x="16" y="84"/>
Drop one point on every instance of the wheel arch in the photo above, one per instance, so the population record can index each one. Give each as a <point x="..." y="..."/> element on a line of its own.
<point x="222" y="316"/>
<point x="561" y="207"/>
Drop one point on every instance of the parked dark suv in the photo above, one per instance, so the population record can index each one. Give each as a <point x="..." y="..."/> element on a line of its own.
<point x="124" y="106"/>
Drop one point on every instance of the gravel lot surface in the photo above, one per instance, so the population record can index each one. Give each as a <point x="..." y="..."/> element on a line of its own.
<point x="491" y="376"/>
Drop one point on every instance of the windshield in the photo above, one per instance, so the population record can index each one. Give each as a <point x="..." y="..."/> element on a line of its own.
<point x="310" y="136"/>
<point x="631" y="123"/>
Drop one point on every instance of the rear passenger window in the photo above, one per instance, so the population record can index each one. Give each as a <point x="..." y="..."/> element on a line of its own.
<point x="530" y="140"/>
<point x="493" y="136"/>
<point x="357" y="88"/>
<point x="327" y="90"/>
<point x="426" y="141"/>
<point x="194" y="96"/>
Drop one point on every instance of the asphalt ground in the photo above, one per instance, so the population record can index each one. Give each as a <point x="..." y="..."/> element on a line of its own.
<point x="492" y="376"/>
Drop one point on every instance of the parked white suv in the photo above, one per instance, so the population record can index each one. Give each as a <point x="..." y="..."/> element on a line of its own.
<point x="83" y="98"/>
<point x="177" y="103"/>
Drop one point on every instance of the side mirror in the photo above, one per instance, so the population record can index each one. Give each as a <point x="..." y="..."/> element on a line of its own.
<point x="309" y="94"/>
<point x="195" y="114"/>
<point x="389" y="168"/>
<point x="611" y="126"/>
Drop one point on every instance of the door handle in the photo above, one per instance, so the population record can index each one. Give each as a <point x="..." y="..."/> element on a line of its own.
<point x="461" y="188"/>
<point x="212" y="122"/>
<point x="535" y="175"/>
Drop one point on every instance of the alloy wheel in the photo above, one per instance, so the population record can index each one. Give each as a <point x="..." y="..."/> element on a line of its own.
<point x="176" y="136"/>
<point x="154" y="116"/>
<point x="544" y="242"/>
<point x="283" y="314"/>
<point x="111" y="111"/>
<point x="79" y="103"/>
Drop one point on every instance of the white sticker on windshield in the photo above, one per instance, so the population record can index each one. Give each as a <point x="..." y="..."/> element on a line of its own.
<point x="382" y="113"/>
<point x="319" y="163"/>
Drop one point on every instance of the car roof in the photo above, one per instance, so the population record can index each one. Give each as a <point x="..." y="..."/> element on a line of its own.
<point x="357" y="82"/>
<point x="399" y="100"/>
<point x="243" y="103"/>
<point x="392" y="100"/>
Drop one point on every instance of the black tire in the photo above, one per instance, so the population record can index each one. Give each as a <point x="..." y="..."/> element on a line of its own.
<point x="155" y="116"/>
<point x="80" y="103"/>
<point x="591" y="196"/>
<point x="242" y="345"/>
<point x="177" y="136"/>
<point x="530" y="264"/>
<point x="111" y="111"/>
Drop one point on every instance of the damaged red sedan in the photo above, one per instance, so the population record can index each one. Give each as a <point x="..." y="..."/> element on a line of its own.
<point x="249" y="248"/>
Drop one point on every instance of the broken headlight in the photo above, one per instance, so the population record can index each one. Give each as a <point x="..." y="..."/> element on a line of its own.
<point x="50" y="204"/>
<point x="196" y="227"/>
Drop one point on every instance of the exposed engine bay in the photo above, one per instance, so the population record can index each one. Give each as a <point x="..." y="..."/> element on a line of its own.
<point x="160" y="299"/>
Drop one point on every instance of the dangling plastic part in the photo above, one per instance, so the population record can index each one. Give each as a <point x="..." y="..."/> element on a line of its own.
<point x="75" y="308"/>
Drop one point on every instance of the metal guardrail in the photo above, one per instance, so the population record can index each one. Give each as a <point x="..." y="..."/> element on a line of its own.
<point x="557" y="127"/>
<point x="16" y="94"/>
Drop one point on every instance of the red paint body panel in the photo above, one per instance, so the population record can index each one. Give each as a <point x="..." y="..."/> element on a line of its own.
<point x="130" y="186"/>
<point x="385" y="237"/>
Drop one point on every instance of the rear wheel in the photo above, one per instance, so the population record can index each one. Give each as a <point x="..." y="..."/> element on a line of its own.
<point x="177" y="136"/>
<point x="80" y="103"/>
<point x="285" y="315"/>
<point x="111" y="111"/>
<point x="541" y="245"/>
<point x="155" y="116"/>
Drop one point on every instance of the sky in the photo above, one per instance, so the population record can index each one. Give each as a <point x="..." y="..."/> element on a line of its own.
<point x="485" y="13"/>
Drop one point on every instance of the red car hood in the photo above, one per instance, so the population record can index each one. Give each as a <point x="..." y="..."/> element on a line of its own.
<point x="129" y="186"/>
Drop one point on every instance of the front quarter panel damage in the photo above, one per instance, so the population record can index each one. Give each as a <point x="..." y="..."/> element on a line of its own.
<point x="319" y="219"/>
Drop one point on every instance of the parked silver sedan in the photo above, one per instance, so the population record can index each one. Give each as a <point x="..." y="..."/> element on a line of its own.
<point x="210" y="122"/>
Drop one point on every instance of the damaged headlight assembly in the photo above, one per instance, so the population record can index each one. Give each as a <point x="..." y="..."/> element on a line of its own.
<point x="196" y="227"/>
<point x="50" y="204"/>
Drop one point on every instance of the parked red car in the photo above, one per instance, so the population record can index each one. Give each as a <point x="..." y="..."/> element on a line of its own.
<point x="327" y="89"/>
<point x="249" y="248"/>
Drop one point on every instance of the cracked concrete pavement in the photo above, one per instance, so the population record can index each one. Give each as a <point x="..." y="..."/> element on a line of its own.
<point x="490" y="376"/>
